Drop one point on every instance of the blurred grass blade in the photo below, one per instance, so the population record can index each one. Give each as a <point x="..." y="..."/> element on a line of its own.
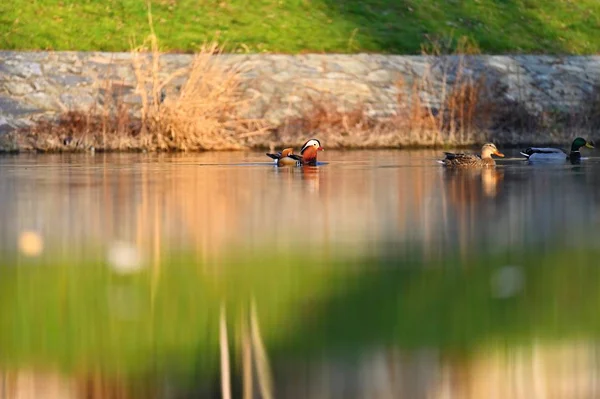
<point x="265" y="378"/>
<point x="246" y="357"/>
<point x="224" y="346"/>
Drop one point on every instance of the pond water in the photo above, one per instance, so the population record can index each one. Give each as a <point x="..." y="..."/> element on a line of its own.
<point x="377" y="274"/>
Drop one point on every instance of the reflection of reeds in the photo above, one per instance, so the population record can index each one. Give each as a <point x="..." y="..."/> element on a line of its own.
<point x="28" y="384"/>
<point x="247" y="372"/>
<point x="156" y="255"/>
<point x="4" y="384"/>
<point x="467" y="191"/>
<point x="564" y="370"/>
<point x="253" y="348"/>
<point x="97" y="386"/>
<point x="211" y="210"/>
<point x="262" y="362"/>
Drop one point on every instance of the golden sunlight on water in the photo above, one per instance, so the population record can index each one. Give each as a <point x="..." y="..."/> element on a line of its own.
<point x="376" y="275"/>
<point x="543" y="371"/>
<point x="210" y="202"/>
<point x="30" y="243"/>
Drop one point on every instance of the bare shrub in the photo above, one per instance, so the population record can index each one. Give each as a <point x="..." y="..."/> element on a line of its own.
<point x="457" y="110"/>
<point x="459" y="104"/>
<point x="350" y="127"/>
<point x="449" y="104"/>
<point x="205" y="113"/>
<point x="111" y="128"/>
<point x="459" y="115"/>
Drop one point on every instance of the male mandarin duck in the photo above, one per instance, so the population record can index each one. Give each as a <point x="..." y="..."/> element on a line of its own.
<point x="308" y="153"/>
<point x="471" y="160"/>
<point x="284" y="158"/>
<point x="548" y="154"/>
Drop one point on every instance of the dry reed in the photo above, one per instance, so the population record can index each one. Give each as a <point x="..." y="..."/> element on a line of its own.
<point x="263" y="369"/>
<point x="253" y="355"/>
<point x="457" y="113"/>
<point x="247" y="369"/>
<point x="205" y="113"/>
<point x="446" y="105"/>
<point x="224" y="349"/>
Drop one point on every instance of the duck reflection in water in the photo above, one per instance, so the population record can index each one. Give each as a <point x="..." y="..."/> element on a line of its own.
<point x="471" y="196"/>
<point x="473" y="185"/>
<point x="310" y="174"/>
<point x="491" y="180"/>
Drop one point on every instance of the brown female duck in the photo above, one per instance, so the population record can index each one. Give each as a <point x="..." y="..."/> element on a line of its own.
<point x="472" y="160"/>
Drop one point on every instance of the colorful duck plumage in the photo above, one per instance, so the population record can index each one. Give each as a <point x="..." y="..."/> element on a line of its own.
<point x="284" y="158"/>
<point x="308" y="153"/>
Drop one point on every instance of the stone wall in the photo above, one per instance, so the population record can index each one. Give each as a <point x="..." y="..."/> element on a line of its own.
<point x="43" y="84"/>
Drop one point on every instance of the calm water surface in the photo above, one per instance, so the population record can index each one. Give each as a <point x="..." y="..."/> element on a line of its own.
<point x="378" y="274"/>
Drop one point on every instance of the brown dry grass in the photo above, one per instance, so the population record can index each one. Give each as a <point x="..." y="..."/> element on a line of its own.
<point x="461" y="117"/>
<point x="461" y="109"/>
<point x="462" y="114"/>
<point x="206" y="113"/>
<point x="447" y="105"/>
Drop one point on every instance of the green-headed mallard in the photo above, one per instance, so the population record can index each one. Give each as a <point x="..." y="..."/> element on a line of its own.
<point x="536" y="154"/>
<point x="472" y="160"/>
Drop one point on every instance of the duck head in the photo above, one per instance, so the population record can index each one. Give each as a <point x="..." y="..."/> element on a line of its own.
<point x="490" y="149"/>
<point x="310" y="150"/>
<point x="580" y="142"/>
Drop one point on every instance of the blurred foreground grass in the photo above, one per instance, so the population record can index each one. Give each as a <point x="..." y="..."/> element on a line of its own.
<point x="165" y="318"/>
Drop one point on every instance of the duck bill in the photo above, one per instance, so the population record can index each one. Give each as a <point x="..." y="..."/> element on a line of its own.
<point x="320" y="149"/>
<point x="499" y="154"/>
<point x="589" y="145"/>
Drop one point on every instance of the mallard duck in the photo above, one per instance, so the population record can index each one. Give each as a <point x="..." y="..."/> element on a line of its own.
<point x="548" y="154"/>
<point x="284" y="158"/>
<point x="308" y="153"/>
<point x="472" y="160"/>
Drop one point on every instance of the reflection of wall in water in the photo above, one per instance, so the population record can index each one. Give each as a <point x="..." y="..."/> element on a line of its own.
<point x="544" y="372"/>
<point x="529" y="206"/>
<point x="27" y="384"/>
<point x="182" y="203"/>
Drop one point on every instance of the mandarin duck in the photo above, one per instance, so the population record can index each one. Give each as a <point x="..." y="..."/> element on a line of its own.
<point x="284" y="158"/>
<point x="308" y="153"/>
